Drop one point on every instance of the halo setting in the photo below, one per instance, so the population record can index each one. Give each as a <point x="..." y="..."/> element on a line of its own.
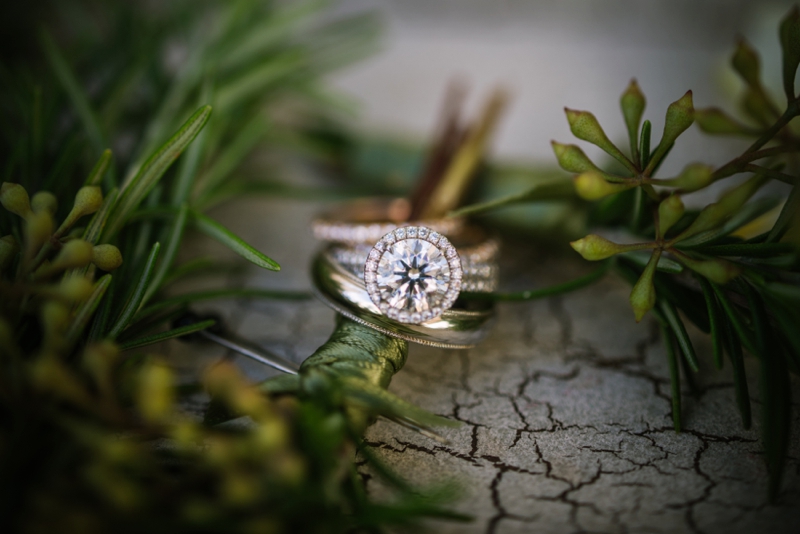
<point x="413" y="274"/>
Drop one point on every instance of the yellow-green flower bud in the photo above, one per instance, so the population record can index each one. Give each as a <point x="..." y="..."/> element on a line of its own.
<point x="745" y="61"/>
<point x="75" y="288"/>
<point x="756" y="105"/>
<point x="74" y="254"/>
<point x="670" y="211"/>
<point x="55" y="316"/>
<point x="790" y="46"/>
<point x="643" y="294"/>
<point x="584" y="126"/>
<point x="693" y="177"/>
<point x="680" y="115"/>
<point x="52" y="376"/>
<point x="593" y="247"/>
<point x="106" y="257"/>
<point x="15" y="199"/>
<point x="88" y="200"/>
<point x="731" y="201"/>
<point x="38" y="229"/>
<point x="99" y="359"/>
<point x="44" y="201"/>
<point x="717" y="270"/>
<point x="632" y="103"/>
<point x="592" y="186"/>
<point x="572" y="159"/>
<point x="8" y="249"/>
<point x="715" y="121"/>
<point x="156" y="394"/>
<point x="270" y="434"/>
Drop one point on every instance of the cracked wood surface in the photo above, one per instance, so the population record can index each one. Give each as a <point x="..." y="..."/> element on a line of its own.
<point x="565" y="408"/>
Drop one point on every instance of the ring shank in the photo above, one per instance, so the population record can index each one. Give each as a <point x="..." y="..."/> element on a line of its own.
<point x="456" y="328"/>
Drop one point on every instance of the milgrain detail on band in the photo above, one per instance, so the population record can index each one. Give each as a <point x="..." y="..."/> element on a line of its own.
<point x="355" y="233"/>
<point x="413" y="274"/>
<point x="386" y="331"/>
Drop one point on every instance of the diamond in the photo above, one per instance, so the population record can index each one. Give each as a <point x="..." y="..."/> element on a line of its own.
<point x="433" y="237"/>
<point x="400" y="233"/>
<point x="413" y="279"/>
<point x="423" y="232"/>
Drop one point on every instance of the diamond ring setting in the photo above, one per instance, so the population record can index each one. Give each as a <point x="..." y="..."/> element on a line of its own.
<point x="413" y="274"/>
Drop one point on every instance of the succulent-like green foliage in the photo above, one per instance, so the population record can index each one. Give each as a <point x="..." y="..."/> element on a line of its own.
<point x="733" y="267"/>
<point x="732" y="248"/>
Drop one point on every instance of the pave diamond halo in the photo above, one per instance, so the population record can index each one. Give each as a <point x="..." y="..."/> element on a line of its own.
<point x="413" y="274"/>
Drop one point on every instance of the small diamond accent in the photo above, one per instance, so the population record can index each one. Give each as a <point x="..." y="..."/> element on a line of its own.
<point x="411" y="232"/>
<point x="423" y="232"/>
<point x="400" y="233"/>
<point x="434" y="237"/>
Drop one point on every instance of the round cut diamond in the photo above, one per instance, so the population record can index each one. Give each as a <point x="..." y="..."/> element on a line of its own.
<point x="413" y="275"/>
<point x="413" y="280"/>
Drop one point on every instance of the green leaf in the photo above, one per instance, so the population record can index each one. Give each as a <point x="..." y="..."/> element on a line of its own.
<point x="676" y="325"/>
<point x="245" y="140"/>
<point x="214" y="229"/>
<point x="98" y="222"/>
<point x="379" y="401"/>
<point x="734" y="349"/>
<point x="534" y="294"/>
<point x="717" y="270"/>
<point x="715" y="319"/>
<point x="187" y="171"/>
<point x="137" y="294"/>
<point x="674" y="377"/>
<point x="789" y="213"/>
<point x="665" y="265"/>
<point x="714" y="121"/>
<point x="749" y="250"/>
<point x="644" y="143"/>
<point x="584" y="125"/>
<point x="279" y="69"/>
<point x="87" y="309"/>
<point x="787" y="314"/>
<point x="173" y="243"/>
<point x="96" y="176"/>
<point x="729" y="203"/>
<point x="215" y="294"/>
<point x="80" y="100"/>
<point x="135" y="190"/>
<point x="633" y="103"/>
<point x="790" y="46"/>
<point x="556" y="190"/>
<point x="775" y="391"/>
<point x="735" y="319"/>
<point x="169" y="334"/>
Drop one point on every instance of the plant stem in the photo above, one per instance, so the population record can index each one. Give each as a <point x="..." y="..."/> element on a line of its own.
<point x="791" y="112"/>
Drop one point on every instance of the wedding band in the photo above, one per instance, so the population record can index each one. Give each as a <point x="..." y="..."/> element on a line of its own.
<point x="365" y="221"/>
<point x="460" y="327"/>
